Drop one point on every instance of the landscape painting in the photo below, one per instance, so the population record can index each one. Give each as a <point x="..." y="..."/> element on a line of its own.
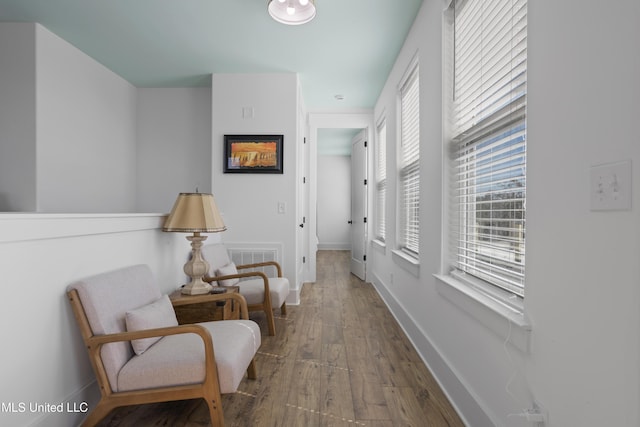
<point x="253" y="154"/>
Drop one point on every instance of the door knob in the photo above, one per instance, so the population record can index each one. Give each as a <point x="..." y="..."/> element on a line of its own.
<point x="350" y="222"/>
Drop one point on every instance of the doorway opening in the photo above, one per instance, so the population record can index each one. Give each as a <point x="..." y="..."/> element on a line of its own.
<point x="331" y="196"/>
<point x="334" y="188"/>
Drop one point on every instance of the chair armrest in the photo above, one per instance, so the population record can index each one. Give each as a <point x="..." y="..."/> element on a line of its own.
<point x="264" y="277"/>
<point x="244" y="310"/>
<point x="262" y="264"/>
<point x="148" y="333"/>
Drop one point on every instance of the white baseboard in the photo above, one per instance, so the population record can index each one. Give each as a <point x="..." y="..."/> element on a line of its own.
<point x="336" y="246"/>
<point x="467" y="406"/>
<point x="294" y="297"/>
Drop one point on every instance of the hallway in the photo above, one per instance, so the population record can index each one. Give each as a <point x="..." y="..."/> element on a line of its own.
<point x="338" y="359"/>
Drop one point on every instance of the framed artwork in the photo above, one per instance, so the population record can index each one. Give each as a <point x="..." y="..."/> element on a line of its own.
<point x="253" y="153"/>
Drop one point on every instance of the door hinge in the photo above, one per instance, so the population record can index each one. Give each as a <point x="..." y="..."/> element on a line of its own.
<point x="365" y="143"/>
<point x="304" y="179"/>
<point x="365" y="219"/>
<point x="304" y="140"/>
<point x="304" y="259"/>
<point x="365" y="182"/>
<point x="364" y="257"/>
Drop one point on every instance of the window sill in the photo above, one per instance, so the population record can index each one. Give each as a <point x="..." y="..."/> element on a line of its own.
<point x="380" y="245"/>
<point x="407" y="262"/>
<point x="509" y="323"/>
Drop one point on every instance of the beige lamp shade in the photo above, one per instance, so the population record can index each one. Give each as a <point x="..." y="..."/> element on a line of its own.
<point x="194" y="213"/>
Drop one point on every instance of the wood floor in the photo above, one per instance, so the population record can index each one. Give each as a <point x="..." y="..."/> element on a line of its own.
<point x="339" y="359"/>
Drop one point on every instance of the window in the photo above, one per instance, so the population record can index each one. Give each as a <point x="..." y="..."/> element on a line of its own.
<point x="381" y="182"/>
<point x="409" y="178"/>
<point x="488" y="148"/>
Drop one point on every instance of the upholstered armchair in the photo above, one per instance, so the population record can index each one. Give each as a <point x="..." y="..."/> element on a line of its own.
<point x="139" y="353"/>
<point x="262" y="293"/>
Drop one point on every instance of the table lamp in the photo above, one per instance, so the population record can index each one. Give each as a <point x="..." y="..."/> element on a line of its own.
<point x="195" y="213"/>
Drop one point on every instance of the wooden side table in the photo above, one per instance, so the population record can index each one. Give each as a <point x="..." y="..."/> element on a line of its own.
<point x="204" y="308"/>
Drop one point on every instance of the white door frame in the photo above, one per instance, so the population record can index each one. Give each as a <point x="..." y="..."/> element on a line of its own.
<point x="302" y="205"/>
<point x="358" y="232"/>
<point x="363" y="120"/>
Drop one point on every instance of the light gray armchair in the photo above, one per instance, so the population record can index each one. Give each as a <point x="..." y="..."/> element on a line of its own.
<point x="263" y="293"/>
<point x="139" y="353"/>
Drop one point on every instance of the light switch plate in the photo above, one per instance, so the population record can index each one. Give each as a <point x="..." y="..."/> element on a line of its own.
<point x="611" y="186"/>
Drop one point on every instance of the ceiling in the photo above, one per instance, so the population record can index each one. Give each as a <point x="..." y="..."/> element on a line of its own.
<point x="336" y="142"/>
<point x="348" y="49"/>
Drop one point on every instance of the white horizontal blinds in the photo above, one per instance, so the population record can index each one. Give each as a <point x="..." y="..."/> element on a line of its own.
<point x="410" y="163"/>
<point x="489" y="146"/>
<point x="490" y="60"/>
<point x="381" y="183"/>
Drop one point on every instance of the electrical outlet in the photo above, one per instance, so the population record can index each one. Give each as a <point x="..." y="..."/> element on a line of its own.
<point x="247" y="112"/>
<point x="611" y="186"/>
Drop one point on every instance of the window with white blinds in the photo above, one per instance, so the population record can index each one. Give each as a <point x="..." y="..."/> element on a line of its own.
<point x="381" y="182"/>
<point x="488" y="150"/>
<point x="409" y="178"/>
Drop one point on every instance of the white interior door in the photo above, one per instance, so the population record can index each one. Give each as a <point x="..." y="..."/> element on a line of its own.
<point x="359" y="204"/>
<point x="302" y="211"/>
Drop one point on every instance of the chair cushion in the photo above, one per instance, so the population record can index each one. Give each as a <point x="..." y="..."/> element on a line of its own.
<point x="227" y="270"/>
<point x="179" y="359"/>
<point x="105" y="299"/>
<point x="253" y="290"/>
<point x="158" y="314"/>
<point x="216" y="255"/>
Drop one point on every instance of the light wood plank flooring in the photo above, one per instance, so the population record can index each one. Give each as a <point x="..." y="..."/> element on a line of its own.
<point x="339" y="359"/>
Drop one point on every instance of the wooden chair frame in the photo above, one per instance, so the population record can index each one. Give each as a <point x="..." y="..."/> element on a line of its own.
<point x="266" y="304"/>
<point x="209" y="389"/>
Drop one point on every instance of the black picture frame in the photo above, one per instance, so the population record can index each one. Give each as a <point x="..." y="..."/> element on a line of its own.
<point x="253" y="154"/>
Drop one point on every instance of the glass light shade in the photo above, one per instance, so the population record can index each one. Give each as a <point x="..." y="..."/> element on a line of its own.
<point x="194" y="213"/>
<point x="303" y="11"/>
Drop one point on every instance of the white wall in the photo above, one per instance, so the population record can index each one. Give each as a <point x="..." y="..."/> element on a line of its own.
<point x="581" y="359"/>
<point x="93" y="142"/>
<point x="44" y="359"/>
<point x="249" y="202"/>
<point x="86" y="119"/>
<point x="173" y="145"/>
<point x="334" y="202"/>
<point x="85" y="131"/>
<point x="17" y="117"/>
<point x="68" y="134"/>
<point x="583" y="296"/>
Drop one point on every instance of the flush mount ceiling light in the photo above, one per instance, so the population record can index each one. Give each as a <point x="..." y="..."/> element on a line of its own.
<point x="292" y="12"/>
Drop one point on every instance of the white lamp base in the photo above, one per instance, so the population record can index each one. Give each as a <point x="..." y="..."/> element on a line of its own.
<point x="196" y="288"/>
<point x="196" y="268"/>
